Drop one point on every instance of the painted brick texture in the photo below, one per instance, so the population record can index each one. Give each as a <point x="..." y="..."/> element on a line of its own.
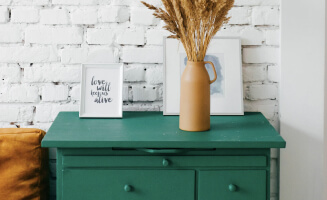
<point x="43" y="43"/>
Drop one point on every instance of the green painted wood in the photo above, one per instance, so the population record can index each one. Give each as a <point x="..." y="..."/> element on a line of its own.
<point x="232" y="185"/>
<point x="59" y="170"/>
<point x="164" y="161"/>
<point x="153" y="130"/>
<point x="121" y="154"/>
<point x="84" y="184"/>
<point x="232" y="188"/>
<point x="194" y="152"/>
<point x="164" y="151"/>
<point x="268" y="176"/>
<point x="128" y="188"/>
<point x="96" y="155"/>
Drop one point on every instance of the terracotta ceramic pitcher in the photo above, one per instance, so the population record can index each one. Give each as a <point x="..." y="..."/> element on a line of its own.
<point x="195" y="97"/>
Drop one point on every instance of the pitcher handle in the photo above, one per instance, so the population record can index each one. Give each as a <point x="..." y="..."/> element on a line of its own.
<point x="214" y="70"/>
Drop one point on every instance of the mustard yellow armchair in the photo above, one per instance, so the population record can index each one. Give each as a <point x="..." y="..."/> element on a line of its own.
<point x="24" y="165"/>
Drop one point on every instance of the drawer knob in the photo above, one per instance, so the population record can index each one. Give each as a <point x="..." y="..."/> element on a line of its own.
<point x="128" y="188"/>
<point x="165" y="162"/>
<point x="232" y="187"/>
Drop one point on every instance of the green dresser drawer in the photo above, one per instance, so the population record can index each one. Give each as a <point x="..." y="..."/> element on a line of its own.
<point x="164" y="161"/>
<point x="232" y="185"/>
<point x="92" y="184"/>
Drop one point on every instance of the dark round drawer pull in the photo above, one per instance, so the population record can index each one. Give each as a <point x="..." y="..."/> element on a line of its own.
<point x="232" y="187"/>
<point x="165" y="162"/>
<point x="128" y="188"/>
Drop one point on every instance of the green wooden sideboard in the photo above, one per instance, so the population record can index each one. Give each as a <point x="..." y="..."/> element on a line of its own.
<point x="145" y="156"/>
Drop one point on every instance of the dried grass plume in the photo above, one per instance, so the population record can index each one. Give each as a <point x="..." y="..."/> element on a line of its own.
<point x="193" y="22"/>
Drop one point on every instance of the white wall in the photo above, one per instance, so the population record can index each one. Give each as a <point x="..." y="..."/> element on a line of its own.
<point x="43" y="43"/>
<point x="325" y="113"/>
<point x="302" y="99"/>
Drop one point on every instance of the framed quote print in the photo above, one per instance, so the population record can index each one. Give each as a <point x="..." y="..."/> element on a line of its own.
<point x="226" y="93"/>
<point x="101" y="91"/>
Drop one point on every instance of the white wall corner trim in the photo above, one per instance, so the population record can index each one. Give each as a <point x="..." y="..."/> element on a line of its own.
<point x="302" y="99"/>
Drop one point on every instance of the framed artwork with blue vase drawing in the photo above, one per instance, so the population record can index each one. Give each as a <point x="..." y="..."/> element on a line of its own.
<point x="226" y="93"/>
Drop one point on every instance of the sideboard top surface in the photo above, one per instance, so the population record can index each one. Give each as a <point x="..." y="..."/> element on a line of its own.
<point x="153" y="130"/>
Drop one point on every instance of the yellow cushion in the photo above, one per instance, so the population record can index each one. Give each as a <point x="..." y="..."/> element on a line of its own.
<point x="24" y="165"/>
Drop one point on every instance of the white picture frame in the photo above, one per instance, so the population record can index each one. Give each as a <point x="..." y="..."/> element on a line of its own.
<point x="101" y="90"/>
<point x="227" y="95"/>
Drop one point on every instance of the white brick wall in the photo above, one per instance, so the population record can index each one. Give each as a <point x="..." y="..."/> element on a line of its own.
<point x="4" y="14"/>
<point x="27" y="54"/>
<point x="143" y="16"/>
<point x="53" y="35"/>
<point x="261" y="92"/>
<point x="43" y="43"/>
<point x="75" y="94"/>
<point x="131" y="36"/>
<point x="114" y="14"/>
<point x="5" y="2"/>
<point x="254" y="73"/>
<point x="54" y="16"/>
<point x="10" y="74"/>
<point x="155" y="36"/>
<point x="273" y="73"/>
<point x="75" y="2"/>
<point x="24" y="15"/>
<point x="142" y="55"/>
<point x="84" y="16"/>
<point x="134" y="73"/>
<point x="240" y="15"/>
<point x="154" y="75"/>
<point x="52" y="73"/>
<point x="19" y="93"/>
<point x="54" y="93"/>
<point x="266" y="15"/>
<point x="261" y="55"/>
<point x="145" y="93"/>
<point x="252" y="36"/>
<point x="15" y="36"/>
<point x="30" y="2"/>
<point x="272" y="37"/>
<point x="100" y="36"/>
<point x="256" y="2"/>
<point x="73" y="55"/>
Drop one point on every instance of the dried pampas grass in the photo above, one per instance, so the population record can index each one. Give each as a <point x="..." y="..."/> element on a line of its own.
<point x="193" y="22"/>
